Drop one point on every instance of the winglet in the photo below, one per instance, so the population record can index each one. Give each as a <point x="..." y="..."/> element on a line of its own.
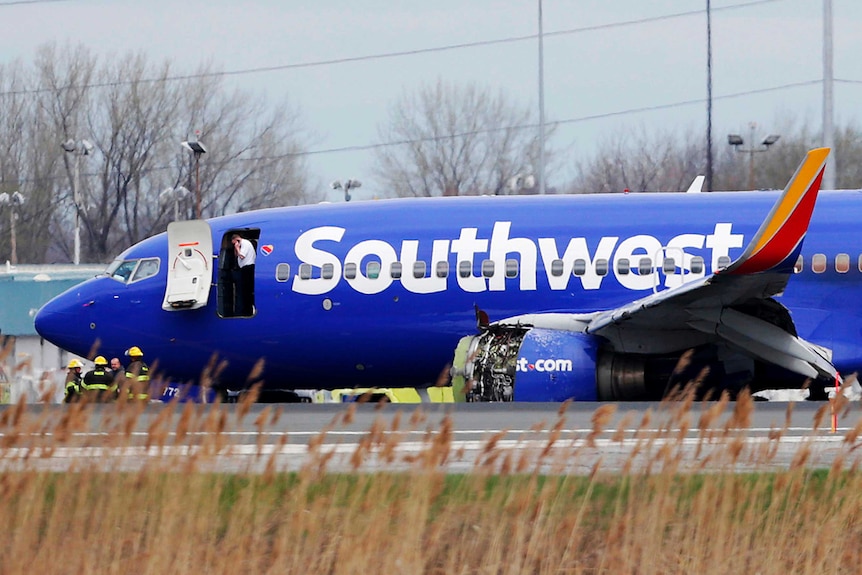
<point x="696" y="186"/>
<point x="777" y="243"/>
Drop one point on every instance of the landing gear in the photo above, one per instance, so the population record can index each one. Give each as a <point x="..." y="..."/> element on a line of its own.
<point x="817" y="390"/>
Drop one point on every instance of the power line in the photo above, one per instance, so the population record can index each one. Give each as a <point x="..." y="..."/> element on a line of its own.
<point x="589" y="118"/>
<point x="22" y="2"/>
<point x="592" y="117"/>
<point x="398" y="54"/>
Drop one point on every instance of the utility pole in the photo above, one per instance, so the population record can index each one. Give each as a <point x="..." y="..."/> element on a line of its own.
<point x="78" y="149"/>
<point x="828" y="126"/>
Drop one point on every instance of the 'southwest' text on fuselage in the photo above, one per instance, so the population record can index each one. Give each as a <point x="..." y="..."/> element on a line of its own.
<point x="312" y="247"/>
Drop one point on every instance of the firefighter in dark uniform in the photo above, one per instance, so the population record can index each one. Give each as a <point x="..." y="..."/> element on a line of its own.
<point x="73" y="381"/>
<point x="137" y="375"/>
<point x="97" y="383"/>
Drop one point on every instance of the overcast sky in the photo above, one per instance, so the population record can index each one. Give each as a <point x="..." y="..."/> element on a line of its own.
<point x="609" y="64"/>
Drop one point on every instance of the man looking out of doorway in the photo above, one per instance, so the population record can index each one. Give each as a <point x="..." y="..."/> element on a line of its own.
<point x="244" y="274"/>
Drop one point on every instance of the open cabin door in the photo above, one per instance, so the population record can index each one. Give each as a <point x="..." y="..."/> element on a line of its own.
<point x="190" y="248"/>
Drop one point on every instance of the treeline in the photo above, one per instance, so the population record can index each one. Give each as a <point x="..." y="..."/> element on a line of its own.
<point x="134" y="113"/>
<point x="440" y="139"/>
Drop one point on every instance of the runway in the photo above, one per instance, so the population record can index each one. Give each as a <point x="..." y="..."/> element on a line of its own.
<point x="575" y="438"/>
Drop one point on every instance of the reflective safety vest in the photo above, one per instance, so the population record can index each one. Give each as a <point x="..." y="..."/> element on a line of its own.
<point x="138" y="380"/>
<point x="73" y="387"/>
<point x="97" y="379"/>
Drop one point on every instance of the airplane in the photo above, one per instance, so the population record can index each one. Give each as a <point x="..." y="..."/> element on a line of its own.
<point x="593" y="297"/>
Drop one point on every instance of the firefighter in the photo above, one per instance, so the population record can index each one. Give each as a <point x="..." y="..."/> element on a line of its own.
<point x="73" y="381"/>
<point x="97" y="383"/>
<point x="137" y="375"/>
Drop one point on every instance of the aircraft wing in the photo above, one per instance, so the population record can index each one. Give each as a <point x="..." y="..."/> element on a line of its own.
<point x="734" y="304"/>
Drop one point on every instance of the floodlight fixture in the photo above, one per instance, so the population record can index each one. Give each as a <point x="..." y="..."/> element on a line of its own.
<point x="347" y="186"/>
<point x="736" y="141"/>
<point x="197" y="149"/>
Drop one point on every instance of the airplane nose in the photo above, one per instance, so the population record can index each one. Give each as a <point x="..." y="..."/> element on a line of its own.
<point x="60" y="321"/>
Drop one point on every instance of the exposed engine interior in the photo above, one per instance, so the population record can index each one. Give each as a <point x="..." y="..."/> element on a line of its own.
<point x="521" y="363"/>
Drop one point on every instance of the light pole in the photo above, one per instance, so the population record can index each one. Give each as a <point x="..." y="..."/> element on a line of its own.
<point x="541" y="105"/>
<point x="347" y="186"/>
<point x="13" y="200"/>
<point x="197" y="148"/>
<point x="82" y="148"/>
<point x="175" y="194"/>
<point x="737" y="142"/>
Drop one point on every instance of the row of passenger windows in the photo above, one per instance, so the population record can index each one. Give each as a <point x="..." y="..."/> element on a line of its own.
<point x="644" y="266"/>
<point x="601" y="267"/>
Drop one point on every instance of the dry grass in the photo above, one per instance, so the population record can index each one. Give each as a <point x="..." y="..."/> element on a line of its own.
<point x="659" y="515"/>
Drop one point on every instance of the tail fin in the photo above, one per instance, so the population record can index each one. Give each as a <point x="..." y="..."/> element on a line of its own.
<point x="776" y="245"/>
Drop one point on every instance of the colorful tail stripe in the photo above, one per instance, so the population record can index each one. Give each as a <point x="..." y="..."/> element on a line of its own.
<point x="777" y="243"/>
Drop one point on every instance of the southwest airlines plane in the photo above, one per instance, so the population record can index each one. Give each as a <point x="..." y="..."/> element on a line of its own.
<point x="517" y="298"/>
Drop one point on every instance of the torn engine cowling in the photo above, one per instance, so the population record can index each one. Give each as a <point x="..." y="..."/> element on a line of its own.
<point x="517" y="363"/>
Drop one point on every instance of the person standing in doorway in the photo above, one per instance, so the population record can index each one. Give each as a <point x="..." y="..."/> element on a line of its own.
<point x="244" y="278"/>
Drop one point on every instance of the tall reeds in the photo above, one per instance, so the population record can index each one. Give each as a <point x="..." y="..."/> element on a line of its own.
<point x="156" y="497"/>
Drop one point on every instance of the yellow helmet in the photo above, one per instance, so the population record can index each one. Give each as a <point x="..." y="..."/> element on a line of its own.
<point x="75" y="363"/>
<point x="100" y="360"/>
<point x="135" y="351"/>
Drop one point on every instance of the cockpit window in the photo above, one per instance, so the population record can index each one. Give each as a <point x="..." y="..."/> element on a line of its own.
<point x="127" y="271"/>
<point x="147" y="268"/>
<point x="121" y="270"/>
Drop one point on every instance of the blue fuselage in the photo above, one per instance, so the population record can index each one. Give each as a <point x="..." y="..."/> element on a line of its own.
<point x="337" y="322"/>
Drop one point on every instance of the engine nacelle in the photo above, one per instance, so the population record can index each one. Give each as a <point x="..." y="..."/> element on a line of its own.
<point x="514" y="363"/>
<point x="523" y="364"/>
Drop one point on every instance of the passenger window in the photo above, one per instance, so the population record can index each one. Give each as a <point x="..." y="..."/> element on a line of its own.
<point x="147" y="268"/>
<point x="818" y="263"/>
<point x="372" y="270"/>
<point x="395" y="270"/>
<point x="644" y="266"/>
<point x="579" y="267"/>
<point x="305" y="271"/>
<point x="557" y="268"/>
<point x="842" y="263"/>
<point x="465" y="268"/>
<point x="442" y="269"/>
<point x="327" y="271"/>
<point x="511" y="268"/>
<point x="623" y="266"/>
<point x="697" y="265"/>
<point x="723" y="262"/>
<point x="488" y="268"/>
<point x="349" y="271"/>
<point x="800" y="264"/>
<point x="668" y="266"/>
<point x="282" y="272"/>
<point x="419" y="270"/>
<point x="601" y="267"/>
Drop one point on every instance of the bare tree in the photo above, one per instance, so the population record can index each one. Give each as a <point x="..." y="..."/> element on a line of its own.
<point x="15" y="135"/>
<point x="136" y="114"/>
<point x="640" y="161"/>
<point x="451" y="140"/>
